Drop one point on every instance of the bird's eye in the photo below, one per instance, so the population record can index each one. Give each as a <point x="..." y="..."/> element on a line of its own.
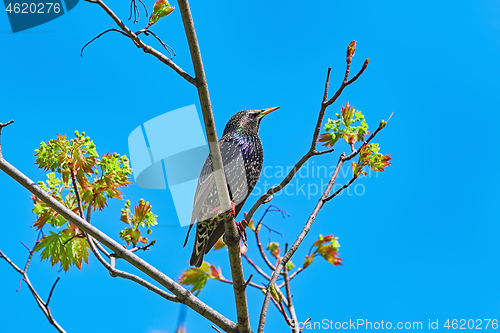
<point x="251" y="115"/>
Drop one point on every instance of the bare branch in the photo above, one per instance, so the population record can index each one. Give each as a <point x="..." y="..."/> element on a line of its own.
<point x="282" y="311"/>
<point x="51" y="290"/>
<point x="312" y="151"/>
<point x="291" y="308"/>
<point x="296" y="244"/>
<point x="98" y="36"/>
<point x="135" y="10"/>
<point x="139" y="43"/>
<point x="165" y="45"/>
<point x="2" y="255"/>
<point x="324" y="198"/>
<point x="278" y="188"/>
<point x="249" y="279"/>
<point x="255" y="285"/>
<point x="43" y="306"/>
<point x="257" y="268"/>
<point x="115" y="272"/>
<point x="261" y="249"/>
<point x="341" y="189"/>
<point x="1" y="127"/>
<point x="294" y="274"/>
<point x="304" y="325"/>
<point x="145" y="247"/>
<point x="316" y="153"/>
<point x="29" y="258"/>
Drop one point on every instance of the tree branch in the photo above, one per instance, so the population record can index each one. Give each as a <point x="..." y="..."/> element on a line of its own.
<point x="257" y="268"/>
<point x="115" y="272"/>
<point x="304" y="325"/>
<point x="291" y="308"/>
<point x="140" y="44"/>
<point x="296" y="244"/>
<point x="231" y="237"/>
<point x="323" y="199"/>
<point x="325" y="103"/>
<point x="261" y="249"/>
<point x="183" y="295"/>
<point x="1" y="127"/>
<point x="44" y="306"/>
<point x="51" y="290"/>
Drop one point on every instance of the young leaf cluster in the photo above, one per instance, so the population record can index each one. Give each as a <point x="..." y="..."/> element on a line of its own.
<point x="141" y="218"/>
<point x="326" y="247"/>
<point x="161" y="9"/>
<point x="344" y="127"/>
<point x="75" y="165"/>
<point x="369" y="156"/>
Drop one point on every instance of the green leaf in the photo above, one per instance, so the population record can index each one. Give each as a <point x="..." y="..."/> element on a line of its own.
<point x="60" y="249"/>
<point x="197" y="277"/>
<point x="161" y="9"/>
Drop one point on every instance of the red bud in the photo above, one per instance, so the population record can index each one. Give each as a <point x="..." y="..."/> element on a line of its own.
<point x="351" y="48"/>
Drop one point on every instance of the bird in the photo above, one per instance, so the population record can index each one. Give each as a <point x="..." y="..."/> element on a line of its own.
<point x="242" y="157"/>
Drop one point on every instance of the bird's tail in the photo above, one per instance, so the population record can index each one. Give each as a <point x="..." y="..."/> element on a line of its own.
<point x="200" y="244"/>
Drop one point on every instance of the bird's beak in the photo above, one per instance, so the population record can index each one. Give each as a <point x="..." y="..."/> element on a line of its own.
<point x="265" y="112"/>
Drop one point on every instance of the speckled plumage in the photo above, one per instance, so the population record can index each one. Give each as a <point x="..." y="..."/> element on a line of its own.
<point x="242" y="157"/>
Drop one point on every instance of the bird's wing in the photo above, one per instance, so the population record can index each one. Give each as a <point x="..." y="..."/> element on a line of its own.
<point x="206" y="185"/>
<point x="206" y="202"/>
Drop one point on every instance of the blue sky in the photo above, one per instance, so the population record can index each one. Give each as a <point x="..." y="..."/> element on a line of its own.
<point x="419" y="244"/>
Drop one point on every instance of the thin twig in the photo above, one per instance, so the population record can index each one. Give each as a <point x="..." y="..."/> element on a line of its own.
<point x="291" y="308"/>
<point x="304" y="325"/>
<point x="261" y="249"/>
<point x="44" y="306"/>
<point x="1" y="127"/>
<point x="255" y="285"/>
<point x="341" y="189"/>
<point x="26" y="246"/>
<point x="312" y="151"/>
<point x="139" y="43"/>
<point x="282" y="311"/>
<point x="29" y="258"/>
<point x="316" y="153"/>
<point x="249" y="279"/>
<point x="145" y="247"/>
<point x="282" y="263"/>
<point x="257" y="268"/>
<point x="135" y="10"/>
<point x="77" y="192"/>
<point x="51" y="290"/>
<point x="98" y="36"/>
<point x="167" y="47"/>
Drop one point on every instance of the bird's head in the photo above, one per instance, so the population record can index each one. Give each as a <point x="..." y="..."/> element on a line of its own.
<point x="247" y="121"/>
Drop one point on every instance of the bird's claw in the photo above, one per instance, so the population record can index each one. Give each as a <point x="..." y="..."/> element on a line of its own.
<point x="241" y="229"/>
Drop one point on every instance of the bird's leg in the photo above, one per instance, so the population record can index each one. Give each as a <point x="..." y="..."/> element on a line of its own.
<point x="241" y="229"/>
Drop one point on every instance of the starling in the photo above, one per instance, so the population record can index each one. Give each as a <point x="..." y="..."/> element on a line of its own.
<point x="242" y="157"/>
